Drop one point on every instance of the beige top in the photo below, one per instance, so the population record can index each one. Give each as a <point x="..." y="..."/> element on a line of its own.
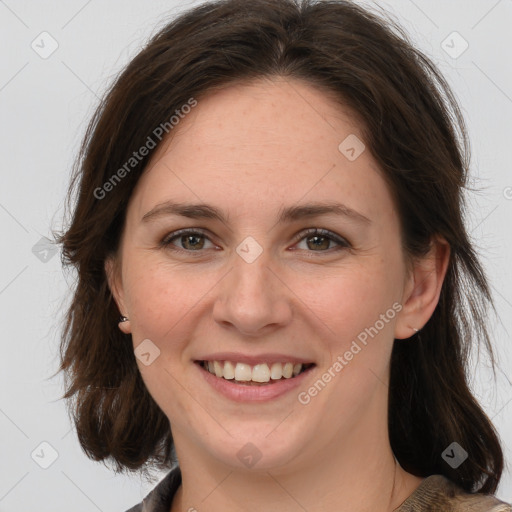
<point x="438" y="494"/>
<point x="435" y="494"/>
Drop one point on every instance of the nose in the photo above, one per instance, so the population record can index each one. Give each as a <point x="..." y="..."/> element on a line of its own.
<point x="252" y="298"/>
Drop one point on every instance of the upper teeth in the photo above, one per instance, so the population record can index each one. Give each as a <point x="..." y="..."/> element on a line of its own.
<point x="257" y="373"/>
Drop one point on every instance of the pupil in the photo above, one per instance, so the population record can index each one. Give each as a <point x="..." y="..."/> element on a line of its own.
<point x="317" y="238"/>
<point x="191" y="237"/>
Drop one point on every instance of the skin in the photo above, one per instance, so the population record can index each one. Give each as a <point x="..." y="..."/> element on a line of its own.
<point x="250" y="150"/>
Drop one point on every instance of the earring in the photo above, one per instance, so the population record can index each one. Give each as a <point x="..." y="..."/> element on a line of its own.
<point x="414" y="329"/>
<point x="123" y="319"/>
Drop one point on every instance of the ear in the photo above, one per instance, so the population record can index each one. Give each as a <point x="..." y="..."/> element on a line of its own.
<point x="116" y="288"/>
<point x="423" y="288"/>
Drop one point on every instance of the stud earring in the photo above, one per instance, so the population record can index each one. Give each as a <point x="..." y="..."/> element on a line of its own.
<point x="123" y="319"/>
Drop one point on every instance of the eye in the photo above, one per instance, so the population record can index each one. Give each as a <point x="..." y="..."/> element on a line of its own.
<point x="320" y="239"/>
<point x="317" y="240"/>
<point x="191" y="240"/>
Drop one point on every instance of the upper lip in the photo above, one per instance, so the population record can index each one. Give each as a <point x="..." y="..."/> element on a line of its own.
<point x="254" y="359"/>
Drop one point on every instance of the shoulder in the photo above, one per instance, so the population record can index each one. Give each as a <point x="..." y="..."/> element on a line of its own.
<point x="439" y="494"/>
<point x="160" y="498"/>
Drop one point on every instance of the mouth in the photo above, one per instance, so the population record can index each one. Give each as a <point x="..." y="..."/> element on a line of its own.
<point x="261" y="374"/>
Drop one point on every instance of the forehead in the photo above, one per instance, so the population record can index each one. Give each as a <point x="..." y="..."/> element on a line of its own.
<point x="264" y="143"/>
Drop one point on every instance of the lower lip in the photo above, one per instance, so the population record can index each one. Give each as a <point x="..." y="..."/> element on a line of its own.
<point x="248" y="393"/>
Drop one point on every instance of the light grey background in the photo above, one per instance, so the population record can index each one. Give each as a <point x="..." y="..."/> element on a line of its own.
<point x="45" y="105"/>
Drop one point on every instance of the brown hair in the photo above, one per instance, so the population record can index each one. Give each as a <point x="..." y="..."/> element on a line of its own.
<point x="416" y="133"/>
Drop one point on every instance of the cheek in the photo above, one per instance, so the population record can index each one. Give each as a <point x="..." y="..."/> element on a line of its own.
<point x="161" y="302"/>
<point x="160" y="296"/>
<point x="359" y="309"/>
<point x="349" y="302"/>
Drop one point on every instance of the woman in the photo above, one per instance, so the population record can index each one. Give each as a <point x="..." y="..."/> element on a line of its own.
<point x="276" y="291"/>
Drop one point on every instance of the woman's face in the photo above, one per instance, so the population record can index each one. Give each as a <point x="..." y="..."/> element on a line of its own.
<point x="256" y="288"/>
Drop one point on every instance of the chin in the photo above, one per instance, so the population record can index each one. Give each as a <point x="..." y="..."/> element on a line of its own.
<point x="256" y="451"/>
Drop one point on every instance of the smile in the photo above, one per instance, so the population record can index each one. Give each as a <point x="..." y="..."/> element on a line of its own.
<point x="258" y="374"/>
<point x="256" y="382"/>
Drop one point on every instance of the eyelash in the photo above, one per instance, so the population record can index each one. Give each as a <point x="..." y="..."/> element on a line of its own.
<point x="324" y="233"/>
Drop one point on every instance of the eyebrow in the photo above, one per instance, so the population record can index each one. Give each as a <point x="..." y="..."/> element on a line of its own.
<point x="291" y="213"/>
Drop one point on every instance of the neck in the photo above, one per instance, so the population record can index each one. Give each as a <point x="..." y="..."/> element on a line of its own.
<point x="355" y="475"/>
